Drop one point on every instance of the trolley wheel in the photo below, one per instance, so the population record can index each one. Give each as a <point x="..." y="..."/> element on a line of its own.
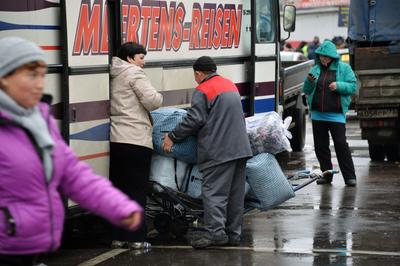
<point x="162" y="222"/>
<point x="179" y="226"/>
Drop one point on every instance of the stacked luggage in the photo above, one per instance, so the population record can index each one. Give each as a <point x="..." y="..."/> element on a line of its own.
<point x="266" y="184"/>
<point x="177" y="169"/>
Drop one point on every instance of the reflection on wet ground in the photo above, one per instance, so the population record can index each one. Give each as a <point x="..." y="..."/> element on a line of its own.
<point x="322" y="225"/>
<point x="244" y="257"/>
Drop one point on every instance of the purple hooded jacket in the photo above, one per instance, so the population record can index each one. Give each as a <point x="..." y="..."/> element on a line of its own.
<point x="35" y="205"/>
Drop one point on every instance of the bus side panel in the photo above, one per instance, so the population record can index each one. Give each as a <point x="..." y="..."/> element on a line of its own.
<point x="88" y="81"/>
<point x="38" y="23"/>
<point x="186" y="29"/>
<point x="89" y="119"/>
<point x="177" y="33"/>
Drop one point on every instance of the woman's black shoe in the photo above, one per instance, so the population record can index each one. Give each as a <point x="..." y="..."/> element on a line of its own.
<point x="351" y="182"/>
<point x="324" y="181"/>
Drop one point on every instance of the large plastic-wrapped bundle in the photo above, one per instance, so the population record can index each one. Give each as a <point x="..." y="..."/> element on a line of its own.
<point x="164" y="121"/>
<point x="168" y="171"/>
<point x="268" y="133"/>
<point x="269" y="186"/>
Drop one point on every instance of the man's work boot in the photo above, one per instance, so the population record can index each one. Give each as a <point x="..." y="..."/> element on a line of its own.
<point x="206" y="240"/>
<point x="234" y="241"/>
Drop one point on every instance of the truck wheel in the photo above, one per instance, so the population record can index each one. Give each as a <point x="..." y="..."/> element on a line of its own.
<point x="299" y="130"/>
<point x="392" y="152"/>
<point x="376" y="152"/>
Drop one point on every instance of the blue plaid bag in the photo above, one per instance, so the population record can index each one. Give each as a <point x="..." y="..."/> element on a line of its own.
<point x="164" y="121"/>
<point x="269" y="186"/>
<point x="168" y="171"/>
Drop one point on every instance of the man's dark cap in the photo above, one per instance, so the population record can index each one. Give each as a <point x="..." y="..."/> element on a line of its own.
<point x="205" y="63"/>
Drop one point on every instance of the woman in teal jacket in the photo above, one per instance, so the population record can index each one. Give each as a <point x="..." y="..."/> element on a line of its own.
<point x="329" y="86"/>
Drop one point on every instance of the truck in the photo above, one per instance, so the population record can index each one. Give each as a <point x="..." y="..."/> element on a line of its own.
<point x="81" y="36"/>
<point x="374" y="46"/>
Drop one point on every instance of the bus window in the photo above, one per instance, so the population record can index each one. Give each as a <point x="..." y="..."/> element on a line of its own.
<point x="264" y="21"/>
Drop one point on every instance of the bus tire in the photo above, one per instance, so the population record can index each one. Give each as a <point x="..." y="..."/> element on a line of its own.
<point x="299" y="130"/>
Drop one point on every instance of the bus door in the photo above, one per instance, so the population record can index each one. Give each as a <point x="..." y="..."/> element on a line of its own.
<point x="264" y="51"/>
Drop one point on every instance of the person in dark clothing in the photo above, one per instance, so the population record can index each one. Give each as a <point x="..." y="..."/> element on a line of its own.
<point x="312" y="47"/>
<point x="329" y="86"/>
<point x="217" y="118"/>
<point x="339" y="42"/>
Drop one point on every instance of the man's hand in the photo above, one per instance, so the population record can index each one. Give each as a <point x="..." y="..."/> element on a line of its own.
<point x="133" y="220"/>
<point x="332" y="86"/>
<point x="167" y="143"/>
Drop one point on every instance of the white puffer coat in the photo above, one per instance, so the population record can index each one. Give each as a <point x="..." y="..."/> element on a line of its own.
<point x="132" y="97"/>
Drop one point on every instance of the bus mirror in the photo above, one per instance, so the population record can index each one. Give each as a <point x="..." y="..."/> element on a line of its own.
<point x="289" y="18"/>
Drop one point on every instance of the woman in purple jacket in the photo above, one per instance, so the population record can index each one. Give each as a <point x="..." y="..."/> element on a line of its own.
<point x="36" y="165"/>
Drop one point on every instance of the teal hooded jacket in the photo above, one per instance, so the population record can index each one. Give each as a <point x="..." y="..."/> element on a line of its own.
<point x="346" y="82"/>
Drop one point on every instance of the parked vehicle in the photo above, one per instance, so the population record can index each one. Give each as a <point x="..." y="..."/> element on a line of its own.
<point x="374" y="33"/>
<point x="81" y="36"/>
<point x="289" y="56"/>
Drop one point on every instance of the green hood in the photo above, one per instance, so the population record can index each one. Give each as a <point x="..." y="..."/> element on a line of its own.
<point x="327" y="48"/>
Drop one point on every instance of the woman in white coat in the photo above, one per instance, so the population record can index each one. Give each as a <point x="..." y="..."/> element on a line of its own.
<point x="131" y="146"/>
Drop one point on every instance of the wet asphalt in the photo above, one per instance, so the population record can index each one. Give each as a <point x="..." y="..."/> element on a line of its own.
<point x="321" y="225"/>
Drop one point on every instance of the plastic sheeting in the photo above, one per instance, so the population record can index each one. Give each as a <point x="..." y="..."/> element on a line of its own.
<point x="268" y="133"/>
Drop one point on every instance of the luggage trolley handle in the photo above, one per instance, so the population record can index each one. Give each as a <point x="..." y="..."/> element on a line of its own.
<point x="314" y="177"/>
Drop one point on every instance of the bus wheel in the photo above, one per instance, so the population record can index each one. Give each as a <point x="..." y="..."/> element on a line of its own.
<point x="299" y="130"/>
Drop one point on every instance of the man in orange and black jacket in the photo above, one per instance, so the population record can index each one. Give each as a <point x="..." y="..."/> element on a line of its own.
<point x="217" y="118"/>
